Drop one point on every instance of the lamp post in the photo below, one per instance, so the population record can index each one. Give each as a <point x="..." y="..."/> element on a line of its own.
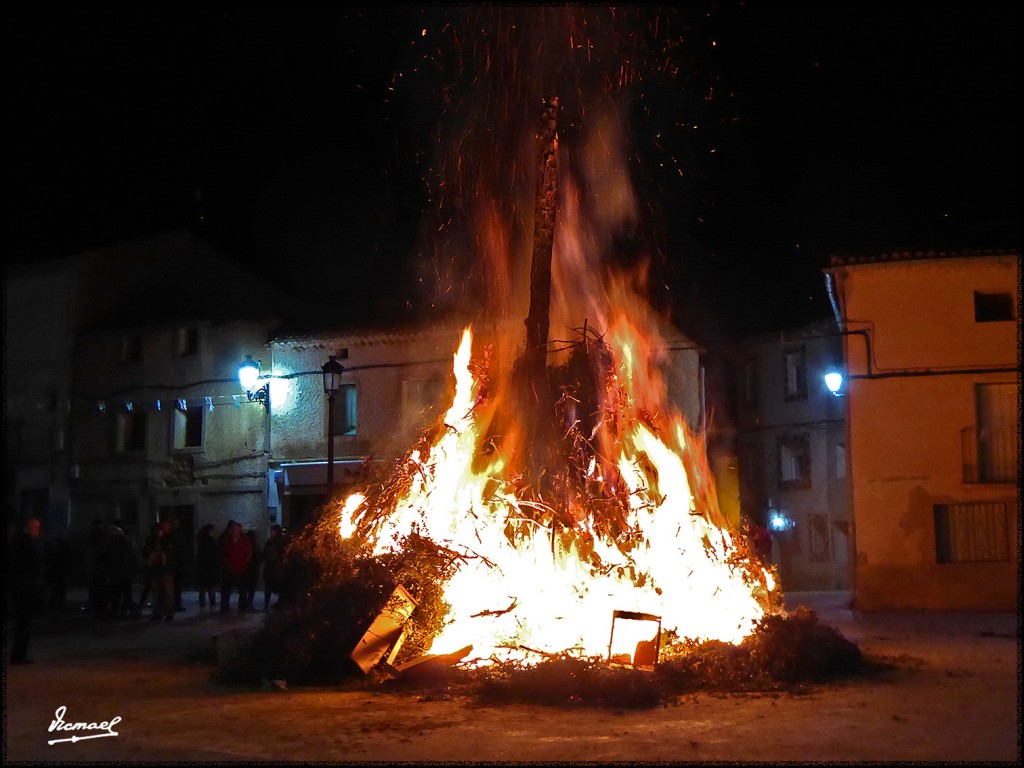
<point x="332" y="371"/>
<point x="248" y="377"/>
<point x="835" y="382"/>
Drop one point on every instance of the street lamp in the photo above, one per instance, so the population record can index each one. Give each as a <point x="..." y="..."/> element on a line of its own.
<point x="834" y="382"/>
<point x="248" y="377"/>
<point x="333" y="371"/>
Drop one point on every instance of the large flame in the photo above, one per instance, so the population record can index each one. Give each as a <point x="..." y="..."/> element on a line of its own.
<point x="541" y="590"/>
<point x="631" y="521"/>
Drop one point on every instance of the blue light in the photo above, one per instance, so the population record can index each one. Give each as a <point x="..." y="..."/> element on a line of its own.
<point x="833" y="380"/>
<point x="248" y="373"/>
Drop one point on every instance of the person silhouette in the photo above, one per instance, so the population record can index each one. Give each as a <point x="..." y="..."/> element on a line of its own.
<point x="25" y="568"/>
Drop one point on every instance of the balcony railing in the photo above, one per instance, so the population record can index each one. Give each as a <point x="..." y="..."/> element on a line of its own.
<point x="989" y="455"/>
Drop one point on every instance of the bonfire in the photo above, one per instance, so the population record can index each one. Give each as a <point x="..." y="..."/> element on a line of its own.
<point x="625" y="522"/>
<point x="562" y="507"/>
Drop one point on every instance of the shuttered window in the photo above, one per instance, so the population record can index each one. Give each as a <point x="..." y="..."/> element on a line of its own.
<point x="971" y="533"/>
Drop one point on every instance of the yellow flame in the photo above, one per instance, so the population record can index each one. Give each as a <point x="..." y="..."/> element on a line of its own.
<point x="346" y="527"/>
<point x="540" y="593"/>
<point x="554" y="587"/>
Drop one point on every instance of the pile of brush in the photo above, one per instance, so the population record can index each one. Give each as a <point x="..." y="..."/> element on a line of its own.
<point x="333" y="591"/>
<point x="785" y="652"/>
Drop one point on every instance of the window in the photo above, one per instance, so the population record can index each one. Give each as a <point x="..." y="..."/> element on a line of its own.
<point x="131" y="348"/>
<point x="997" y="427"/>
<point x="794" y="462"/>
<point x="795" y="371"/>
<point x="992" y="307"/>
<point x="188" y="427"/>
<point x="131" y="432"/>
<point x="421" y="400"/>
<point x="819" y="539"/>
<point x="752" y="466"/>
<point x="750" y="383"/>
<point x="971" y="533"/>
<point x="840" y="460"/>
<point x="186" y="341"/>
<point x="345" y="410"/>
<point x="752" y="478"/>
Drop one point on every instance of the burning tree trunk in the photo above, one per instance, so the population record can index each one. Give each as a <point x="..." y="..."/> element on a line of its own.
<point x="534" y="386"/>
<point x="537" y="322"/>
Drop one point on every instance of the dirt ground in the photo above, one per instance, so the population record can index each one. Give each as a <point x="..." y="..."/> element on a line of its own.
<point x="951" y="695"/>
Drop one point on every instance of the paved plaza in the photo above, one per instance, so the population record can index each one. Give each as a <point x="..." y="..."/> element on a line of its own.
<point x="952" y="696"/>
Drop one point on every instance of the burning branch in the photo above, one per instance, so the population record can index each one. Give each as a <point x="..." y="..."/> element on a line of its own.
<point x="537" y="322"/>
<point x="496" y="612"/>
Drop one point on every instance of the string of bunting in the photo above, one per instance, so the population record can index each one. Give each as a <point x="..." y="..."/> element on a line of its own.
<point x="209" y="402"/>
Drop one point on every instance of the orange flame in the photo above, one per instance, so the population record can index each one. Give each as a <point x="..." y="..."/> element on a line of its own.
<point x="542" y="590"/>
<point x="638" y="528"/>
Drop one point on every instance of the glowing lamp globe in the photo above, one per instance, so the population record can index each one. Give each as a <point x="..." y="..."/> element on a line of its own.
<point x="248" y="373"/>
<point x="833" y="380"/>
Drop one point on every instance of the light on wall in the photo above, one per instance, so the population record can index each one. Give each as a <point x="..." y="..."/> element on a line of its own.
<point x="248" y="377"/>
<point x="834" y="382"/>
<point x="778" y="520"/>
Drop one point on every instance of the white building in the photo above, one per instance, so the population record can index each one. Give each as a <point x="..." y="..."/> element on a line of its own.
<point x="792" y="452"/>
<point x="126" y="404"/>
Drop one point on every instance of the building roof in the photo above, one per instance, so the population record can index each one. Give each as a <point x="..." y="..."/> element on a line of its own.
<point x="373" y="330"/>
<point x="825" y="327"/>
<point x="170" y="277"/>
<point x="450" y="324"/>
<point x="842" y="260"/>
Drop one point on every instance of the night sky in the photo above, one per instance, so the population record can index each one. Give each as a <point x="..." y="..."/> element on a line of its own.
<point x="282" y="134"/>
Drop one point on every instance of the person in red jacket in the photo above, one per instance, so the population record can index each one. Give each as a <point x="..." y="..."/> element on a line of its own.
<point x="235" y="554"/>
<point x="761" y="539"/>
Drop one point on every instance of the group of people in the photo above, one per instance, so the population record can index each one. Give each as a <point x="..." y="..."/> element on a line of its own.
<point x="233" y="563"/>
<point x="230" y="563"/>
<point x="114" y="565"/>
<point x="225" y="564"/>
